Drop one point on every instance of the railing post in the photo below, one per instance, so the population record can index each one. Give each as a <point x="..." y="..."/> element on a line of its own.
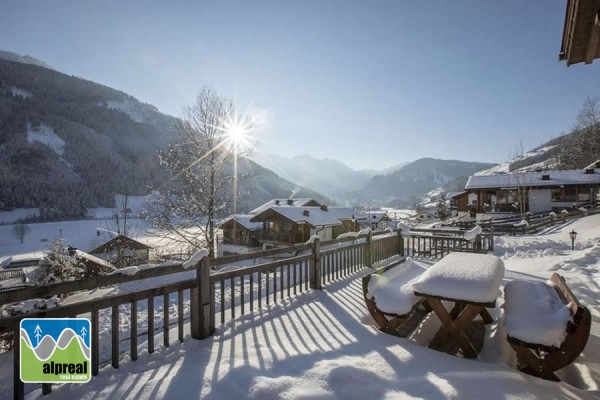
<point x="315" y="266"/>
<point x="400" y="243"/>
<point x="202" y="303"/>
<point x="369" y="250"/>
<point x="478" y="242"/>
<point x="18" y="385"/>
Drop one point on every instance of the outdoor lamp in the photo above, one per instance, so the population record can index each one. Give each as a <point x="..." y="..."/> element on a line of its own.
<point x="573" y="235"/>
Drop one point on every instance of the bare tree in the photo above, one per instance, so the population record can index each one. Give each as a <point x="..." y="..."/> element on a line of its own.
<point x="582" y="146"/>
<point x="21" y="229"/>
<point x="201" y="165"/>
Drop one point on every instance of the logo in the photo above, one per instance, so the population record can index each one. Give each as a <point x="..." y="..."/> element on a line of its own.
<point x="55" y="350"/>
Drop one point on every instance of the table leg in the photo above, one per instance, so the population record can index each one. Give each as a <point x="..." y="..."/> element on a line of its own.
<point x="454" y="327"/>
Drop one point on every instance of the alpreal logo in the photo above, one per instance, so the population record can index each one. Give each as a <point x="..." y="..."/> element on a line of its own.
<point x="55" y="350"/>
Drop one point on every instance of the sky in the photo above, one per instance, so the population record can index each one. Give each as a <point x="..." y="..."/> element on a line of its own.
<point x="321" y="344"/>
<point x="371" y="84"/>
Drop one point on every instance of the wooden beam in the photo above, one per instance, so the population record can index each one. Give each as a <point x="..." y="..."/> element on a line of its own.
<point x="594" y="39"/>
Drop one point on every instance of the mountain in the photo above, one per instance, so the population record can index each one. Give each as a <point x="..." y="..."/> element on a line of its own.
<point x="67" y="144"/>
<point x="330" y="177"/>
<point x="406" y="186"/>
<point x="10" y="56"/>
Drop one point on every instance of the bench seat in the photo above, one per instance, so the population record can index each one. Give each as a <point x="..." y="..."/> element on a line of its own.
<point x="390" y="298"/>
<point x="545" y="324"/>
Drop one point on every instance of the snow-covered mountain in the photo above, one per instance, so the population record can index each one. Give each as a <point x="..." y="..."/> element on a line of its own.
<point x="67" y="144"/>
<point x="407" y="186"/>
<point x="330" y="177"/>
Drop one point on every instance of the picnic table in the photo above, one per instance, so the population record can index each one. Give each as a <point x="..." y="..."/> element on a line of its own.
<point x="470" y="283"/>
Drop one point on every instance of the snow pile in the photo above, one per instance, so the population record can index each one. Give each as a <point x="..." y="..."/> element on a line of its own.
<point x="126" y="271"/>
<point x="522" y="223"/>
<point x="28" y="306"/>
<point x="364" y="231"/>
<point x="464" y="276"/>
<point x="346" y="235"/>
<point x="471" y="234"/>
<point x="534" y="313"/>
<point x="195" y="259"/>
<point x="312" y="239"/>
<point x="405" y="229"/>
<point x="392" y="290"/>
<point x="44" y="134"/>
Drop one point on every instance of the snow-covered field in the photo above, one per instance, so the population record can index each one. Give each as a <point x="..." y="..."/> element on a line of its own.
<point x="323" y="345"/>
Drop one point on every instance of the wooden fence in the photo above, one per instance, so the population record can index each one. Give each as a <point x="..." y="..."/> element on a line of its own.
<point x="208" y="291"/>
<point x="214" y="290"/>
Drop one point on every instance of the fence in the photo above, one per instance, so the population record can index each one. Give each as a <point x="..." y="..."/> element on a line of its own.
<point x="211" y="291"/>
<point x="199" y="295"/>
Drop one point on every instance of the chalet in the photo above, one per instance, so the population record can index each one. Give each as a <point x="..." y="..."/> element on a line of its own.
<point x="425" y="216"/>
<point x="581" y="32"/>
<point x="238" y="230"/>
<point x="131" y="250"/>
<point x="289" y="225"/>
<point x="376" y="220"/>
<point x="459" y="201"/>
<point x="538" y="191"/>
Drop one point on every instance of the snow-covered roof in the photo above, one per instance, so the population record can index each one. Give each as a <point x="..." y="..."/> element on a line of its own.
<point x="556" y="177"/>
<point x="299" y="202"/>
<point x="22" y="259"/>
<point x="244" y="220"/>
<point x="451" y="195"/>
<point x="346" y="213"/>
<point x="96" y="260"/>
<point x="313" y="216"/>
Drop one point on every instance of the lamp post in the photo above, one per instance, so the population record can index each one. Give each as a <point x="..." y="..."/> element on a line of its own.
<point x="573" y="235"/>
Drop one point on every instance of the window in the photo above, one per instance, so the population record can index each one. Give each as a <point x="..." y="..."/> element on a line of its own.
<point x="557" y="195"/>
<point x="570" y="194"/>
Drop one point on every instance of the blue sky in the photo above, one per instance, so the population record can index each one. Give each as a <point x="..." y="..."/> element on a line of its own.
<point x="369" y="83"/>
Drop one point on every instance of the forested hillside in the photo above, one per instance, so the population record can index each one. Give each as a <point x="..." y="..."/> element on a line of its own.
<point x="67" y="143"/>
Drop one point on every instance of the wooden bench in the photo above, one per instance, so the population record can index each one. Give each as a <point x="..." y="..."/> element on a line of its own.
<point x="542" y="360"/>
<point x="398" y="324"/>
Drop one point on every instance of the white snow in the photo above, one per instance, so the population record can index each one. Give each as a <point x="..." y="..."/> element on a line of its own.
<point x="323" y="344"/>
<point x="195" y="258"/>
<point x="15" y="91"/>
<point x="126" y="271"/>
<point x="471" y="234"/>
<point x="392" y="290"/>
<point x="534" y="313"/>
<point x="131" y="109"/>
<point x="45" y="134"/>
<point x="522" y="222"/>
<point x="312" y="239"/>
<point x="464" y="276"/>
<point x="364" y="231"/>
<point x="345" y="235"/>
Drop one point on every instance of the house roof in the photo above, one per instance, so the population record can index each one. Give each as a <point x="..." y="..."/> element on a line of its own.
<point x="93" y="259"/>
<point x="313" y="216"/>
<point x="452" y="195"/>
<point x="300" y="202"/>
<point x="377" y="216"/>
<point x="581" y="32"/>
<point x="120" y="241"/>
<point x="556" y="178"/>
<point x="243" y="220"/>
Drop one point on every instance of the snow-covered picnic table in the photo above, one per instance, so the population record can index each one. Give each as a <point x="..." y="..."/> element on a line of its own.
<point x="470" y="281"/>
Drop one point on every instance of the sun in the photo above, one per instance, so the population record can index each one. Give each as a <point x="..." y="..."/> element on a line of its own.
<point x="237" y="131"/>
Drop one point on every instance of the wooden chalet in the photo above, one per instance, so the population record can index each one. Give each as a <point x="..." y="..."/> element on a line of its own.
<point x="376" y="220"/>
<point x="538" y="191"/>
<point x="581" y="32"/>
<point x="131" y="250"/>
<point x="238" y="230"/>
<point x="284" y="225"/>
